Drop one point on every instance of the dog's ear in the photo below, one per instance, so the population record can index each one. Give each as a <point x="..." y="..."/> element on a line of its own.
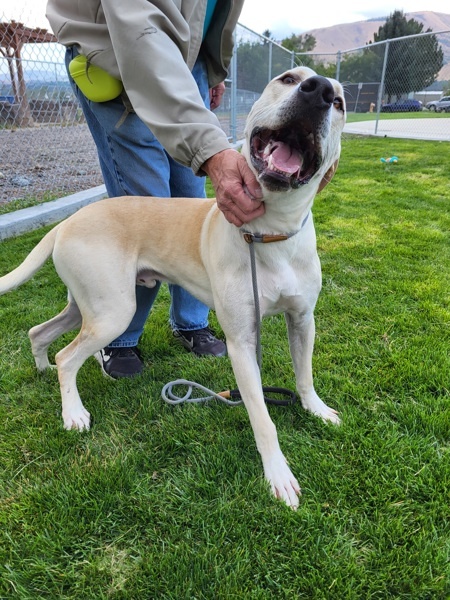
<point x="328" y="176"/>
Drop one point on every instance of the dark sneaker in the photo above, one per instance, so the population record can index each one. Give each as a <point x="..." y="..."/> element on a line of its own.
<point x="120" y="362"/>
<point x="201" y="342"/>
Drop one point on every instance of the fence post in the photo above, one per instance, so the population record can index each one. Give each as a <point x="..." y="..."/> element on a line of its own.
<point x="270" y="61"/>
<point x="338" y="64"/>
<point x="381" y="88"/>
<point x="233" y="91"/>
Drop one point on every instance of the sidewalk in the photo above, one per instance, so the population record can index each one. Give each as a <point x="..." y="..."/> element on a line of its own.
<point x="418" y="129"/>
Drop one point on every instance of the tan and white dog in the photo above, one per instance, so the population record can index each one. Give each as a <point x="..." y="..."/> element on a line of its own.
<point x="292" y="143"/>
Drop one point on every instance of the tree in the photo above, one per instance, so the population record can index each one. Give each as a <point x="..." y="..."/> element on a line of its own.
<point x="299" y="43"/>
<point x="412" y="64"/>
<point x="257" y="64"/>
<point x="361" y="67"/>
<point x="252" y="61"/>
<point x="397" y="26"/>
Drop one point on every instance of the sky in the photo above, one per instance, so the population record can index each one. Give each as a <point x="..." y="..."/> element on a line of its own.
<point x="283" y="17"/>
<point x="280" y="17"/>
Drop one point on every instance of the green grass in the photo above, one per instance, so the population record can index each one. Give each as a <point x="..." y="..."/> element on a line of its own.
<point x="169" y="502"/>
<point x="26" y="202"/>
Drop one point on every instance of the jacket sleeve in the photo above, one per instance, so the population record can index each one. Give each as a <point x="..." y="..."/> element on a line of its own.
<point x="150" y="42"/>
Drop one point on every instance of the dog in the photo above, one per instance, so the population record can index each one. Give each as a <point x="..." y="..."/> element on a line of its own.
<point x="292" y="144"/>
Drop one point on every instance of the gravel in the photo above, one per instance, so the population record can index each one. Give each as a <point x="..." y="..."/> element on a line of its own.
<point x="47" y="161"/>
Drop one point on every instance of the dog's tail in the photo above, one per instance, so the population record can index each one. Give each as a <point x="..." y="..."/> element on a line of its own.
<point x="31" y="264"/>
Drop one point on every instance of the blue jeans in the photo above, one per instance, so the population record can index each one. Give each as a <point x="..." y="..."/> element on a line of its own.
<point x="134" y="163"/>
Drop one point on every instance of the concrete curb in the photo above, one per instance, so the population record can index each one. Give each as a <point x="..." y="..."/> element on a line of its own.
<point x="28" y="219"/>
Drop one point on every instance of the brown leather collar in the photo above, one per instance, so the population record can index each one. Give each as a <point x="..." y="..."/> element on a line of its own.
<point x="268" y="238"/>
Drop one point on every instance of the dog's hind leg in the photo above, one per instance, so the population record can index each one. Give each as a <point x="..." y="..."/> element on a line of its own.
<point x="301" y="331"/>
<point x="41" y="336"/>
<point x="95" y="333"/>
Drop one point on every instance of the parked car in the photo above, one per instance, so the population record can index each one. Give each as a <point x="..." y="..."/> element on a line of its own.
<point x="442" y="105"/>
<point x="402" y="106"/>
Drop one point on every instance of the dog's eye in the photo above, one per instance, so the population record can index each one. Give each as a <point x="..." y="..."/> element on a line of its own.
<point x="338" y="103"/>
<point x="288" y="80"/>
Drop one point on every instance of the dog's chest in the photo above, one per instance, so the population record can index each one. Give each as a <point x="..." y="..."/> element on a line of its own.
<point x="288" y="287"/>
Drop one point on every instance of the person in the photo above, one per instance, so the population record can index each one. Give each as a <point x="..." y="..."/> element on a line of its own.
<point x="159" y="136"/>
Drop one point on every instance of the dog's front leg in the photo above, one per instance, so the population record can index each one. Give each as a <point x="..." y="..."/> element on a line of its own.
<point x="301" y="331"/>
<point x="282" y="482"/>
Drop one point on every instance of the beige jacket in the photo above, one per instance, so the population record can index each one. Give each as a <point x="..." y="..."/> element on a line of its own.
<point x="151" y="47"/>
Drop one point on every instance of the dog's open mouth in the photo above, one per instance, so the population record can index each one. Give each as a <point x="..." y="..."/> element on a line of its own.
<point x="284" y="158"/>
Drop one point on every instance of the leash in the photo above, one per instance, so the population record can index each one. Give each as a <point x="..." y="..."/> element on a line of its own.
<point x="272" y="395"/>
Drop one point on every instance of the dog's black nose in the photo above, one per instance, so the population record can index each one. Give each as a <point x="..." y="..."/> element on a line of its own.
<point x="317" y="92"/>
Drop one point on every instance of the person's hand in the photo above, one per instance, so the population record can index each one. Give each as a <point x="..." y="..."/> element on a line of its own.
<point x="215" y="95"/>
<point x="238" y="193"/>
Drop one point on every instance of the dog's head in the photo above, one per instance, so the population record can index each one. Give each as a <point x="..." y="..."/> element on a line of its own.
<point x="293" y="130"/>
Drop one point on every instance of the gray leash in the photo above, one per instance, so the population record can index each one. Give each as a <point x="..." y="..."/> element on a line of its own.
<point x="257" y="307"/>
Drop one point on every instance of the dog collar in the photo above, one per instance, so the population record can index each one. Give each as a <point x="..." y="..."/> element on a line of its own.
<point x="268" y="238"/>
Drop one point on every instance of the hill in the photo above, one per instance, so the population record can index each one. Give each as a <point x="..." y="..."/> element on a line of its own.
<point x="347" y="36"/>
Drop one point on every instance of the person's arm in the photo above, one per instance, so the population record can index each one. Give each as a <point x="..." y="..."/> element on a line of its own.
<point x="150" y="42"/>
<point x="149" y="50"/>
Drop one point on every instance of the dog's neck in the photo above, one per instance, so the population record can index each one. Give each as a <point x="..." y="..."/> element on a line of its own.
<point x="283" y="216"/>
<point x="269" y="238"/>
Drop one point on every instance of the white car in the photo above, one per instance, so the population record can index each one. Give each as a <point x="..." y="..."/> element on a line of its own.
<point x="439" y="105"/>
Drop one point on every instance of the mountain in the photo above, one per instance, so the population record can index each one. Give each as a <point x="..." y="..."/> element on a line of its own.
<point x="347" y="36"/>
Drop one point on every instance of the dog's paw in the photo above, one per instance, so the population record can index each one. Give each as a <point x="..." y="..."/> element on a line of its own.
<point x="330" y="416"/>
<point x="317" y="407"/>
<point x="42" y="363"/>
<point x="77" y="419"/>
<point x="282" y="482"/>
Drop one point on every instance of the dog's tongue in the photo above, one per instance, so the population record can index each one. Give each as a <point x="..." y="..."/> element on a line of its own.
<point x="285" y="159"/>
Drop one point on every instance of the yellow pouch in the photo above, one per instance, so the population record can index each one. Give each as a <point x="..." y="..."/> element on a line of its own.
<point x="95" y="83"/>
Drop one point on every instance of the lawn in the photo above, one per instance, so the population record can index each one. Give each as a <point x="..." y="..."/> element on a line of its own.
<point x="169" y="502"/>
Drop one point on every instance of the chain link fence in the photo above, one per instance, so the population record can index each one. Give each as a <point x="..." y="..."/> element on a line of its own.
<point x="401" y="77"/>
<point x="46" y="150"/>
<point x="45" y="146"/>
